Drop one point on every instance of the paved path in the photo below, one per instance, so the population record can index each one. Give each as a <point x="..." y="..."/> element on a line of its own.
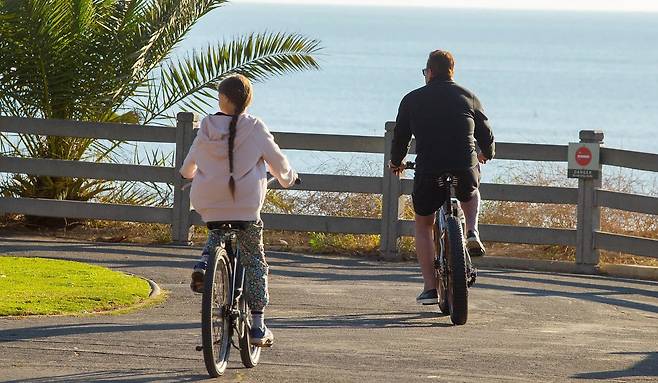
<point x="346" y="320"/>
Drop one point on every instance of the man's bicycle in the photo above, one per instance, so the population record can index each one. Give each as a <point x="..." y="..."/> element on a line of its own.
<point x="454" y="271"/>
<point x="225" y="314"/>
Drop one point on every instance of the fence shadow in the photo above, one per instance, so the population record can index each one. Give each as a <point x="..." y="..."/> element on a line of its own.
<point x="366" y="320"/>
<point x="27" y="333"/>
<point x="127" y="376"/>
<point x="647" y="367"/>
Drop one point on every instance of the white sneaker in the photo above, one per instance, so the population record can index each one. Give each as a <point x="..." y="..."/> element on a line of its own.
<point x="474" y="245"/>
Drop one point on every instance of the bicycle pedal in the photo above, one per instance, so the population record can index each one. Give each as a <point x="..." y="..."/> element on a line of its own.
<point x="267" y="344"/>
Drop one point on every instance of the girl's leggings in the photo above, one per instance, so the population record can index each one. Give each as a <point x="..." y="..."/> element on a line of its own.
<point x="252" y="257"/>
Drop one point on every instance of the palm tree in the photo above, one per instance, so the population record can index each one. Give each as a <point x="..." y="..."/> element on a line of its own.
<point x="110" y="60"/>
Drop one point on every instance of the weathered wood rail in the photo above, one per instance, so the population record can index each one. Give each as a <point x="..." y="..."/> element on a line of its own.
<point x="589" y="197"/>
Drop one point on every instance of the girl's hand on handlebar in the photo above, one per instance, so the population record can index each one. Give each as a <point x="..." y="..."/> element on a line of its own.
<point x="397" y="170"/>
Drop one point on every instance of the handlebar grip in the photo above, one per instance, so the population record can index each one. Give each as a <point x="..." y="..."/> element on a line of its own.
<point x="298" y="181"/>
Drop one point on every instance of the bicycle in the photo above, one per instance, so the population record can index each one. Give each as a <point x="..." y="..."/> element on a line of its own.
<point x="224" y="308"/>
<point x="454" y="270"/>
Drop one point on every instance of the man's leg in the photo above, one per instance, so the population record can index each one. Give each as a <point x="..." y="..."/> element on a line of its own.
<point x="471" y="211"/>
<point x="425" y="249"/>
<point x="468" y="194"/>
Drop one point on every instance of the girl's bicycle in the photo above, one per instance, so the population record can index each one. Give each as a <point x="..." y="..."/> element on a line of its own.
<point x="225" y="315"/>
<point x="454" y="271"/>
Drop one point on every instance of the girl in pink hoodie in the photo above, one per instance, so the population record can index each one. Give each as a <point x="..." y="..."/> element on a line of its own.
<point x="227" y="163"/>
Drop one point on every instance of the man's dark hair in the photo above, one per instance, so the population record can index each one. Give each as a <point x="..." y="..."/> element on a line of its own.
<point x="442" y="64"/>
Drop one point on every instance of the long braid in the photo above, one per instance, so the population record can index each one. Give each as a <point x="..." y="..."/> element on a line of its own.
<point x="238" y="90"/>
<point x="231" y="140"/>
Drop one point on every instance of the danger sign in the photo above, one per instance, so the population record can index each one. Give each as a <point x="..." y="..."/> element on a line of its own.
<point x="583" y="160"/>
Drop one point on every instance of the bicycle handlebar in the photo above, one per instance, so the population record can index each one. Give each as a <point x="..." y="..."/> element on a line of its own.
<point x="271" y="179"/>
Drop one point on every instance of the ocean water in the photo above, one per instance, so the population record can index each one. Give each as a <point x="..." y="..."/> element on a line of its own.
<point x="542" y="75"/>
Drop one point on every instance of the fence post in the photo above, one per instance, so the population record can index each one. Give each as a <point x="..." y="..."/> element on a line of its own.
<point x="588" y="212"/>
<point x="180" y="221"/>
<point x="391" y="188"/>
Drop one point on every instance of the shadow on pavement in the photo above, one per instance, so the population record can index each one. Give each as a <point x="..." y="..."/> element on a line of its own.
<point x="88" y="328"/>
<point x="646" y="367"/>
<point x="128" y="376"/>
<point x="592" y="288"/>
<point x="371" y="320"/>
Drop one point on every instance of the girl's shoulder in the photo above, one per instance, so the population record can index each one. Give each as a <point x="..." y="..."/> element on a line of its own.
<point x="254" y="121"/>
<point x="252" y="118"/>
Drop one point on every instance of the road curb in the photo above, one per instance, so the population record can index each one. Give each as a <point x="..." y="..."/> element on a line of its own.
<point x="622" y="271"/>
<point x="630" y="271"/>
<point x="155" y="289"/>
<point x="529" y="264"/>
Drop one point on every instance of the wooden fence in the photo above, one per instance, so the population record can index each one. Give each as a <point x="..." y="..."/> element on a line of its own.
<point x="589" y="197"/>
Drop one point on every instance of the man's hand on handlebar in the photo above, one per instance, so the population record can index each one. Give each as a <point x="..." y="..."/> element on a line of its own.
<point x="397" y="170"/>
<point x="482" y="159"/>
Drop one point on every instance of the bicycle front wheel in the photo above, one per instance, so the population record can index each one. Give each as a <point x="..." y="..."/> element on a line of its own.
<point x="457" y="277"/>
<point x="215" y="309"/>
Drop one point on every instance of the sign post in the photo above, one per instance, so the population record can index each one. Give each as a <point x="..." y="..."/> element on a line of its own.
<point x="585" y="164"/>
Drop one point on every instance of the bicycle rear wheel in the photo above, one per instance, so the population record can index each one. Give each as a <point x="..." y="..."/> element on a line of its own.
<point x="249" y="354"/>
<point x="215" y="307"/>
<point x="457" y="276"/>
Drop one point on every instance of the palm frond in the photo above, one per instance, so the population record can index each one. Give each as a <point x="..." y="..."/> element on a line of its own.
<point x="258" y="56"/>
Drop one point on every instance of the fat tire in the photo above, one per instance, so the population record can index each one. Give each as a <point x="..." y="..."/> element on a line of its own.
<point x="216" y="351"/>
<point x="458" y="277"/>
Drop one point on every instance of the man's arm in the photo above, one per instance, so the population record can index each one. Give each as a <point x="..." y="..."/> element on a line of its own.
<point x="483" y="133"/>
<point x="401" y="133"/>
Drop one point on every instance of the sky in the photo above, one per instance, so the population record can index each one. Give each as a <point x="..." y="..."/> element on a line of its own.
<point x="592" y="5"/>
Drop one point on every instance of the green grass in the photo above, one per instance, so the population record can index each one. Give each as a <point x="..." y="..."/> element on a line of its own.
<point x="38" y="286"/>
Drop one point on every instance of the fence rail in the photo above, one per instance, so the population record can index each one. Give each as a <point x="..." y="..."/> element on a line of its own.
<point x="588" y="197"/>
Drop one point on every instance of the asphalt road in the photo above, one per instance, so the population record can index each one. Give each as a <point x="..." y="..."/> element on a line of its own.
<point x="346" y="320"/>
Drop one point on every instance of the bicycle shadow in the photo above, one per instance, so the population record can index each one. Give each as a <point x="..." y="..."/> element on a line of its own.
<point x="646" y="367"/>
<point x="365" y="320"/>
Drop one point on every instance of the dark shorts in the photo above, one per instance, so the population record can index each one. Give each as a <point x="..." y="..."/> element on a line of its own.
<point x="428" y="196"/>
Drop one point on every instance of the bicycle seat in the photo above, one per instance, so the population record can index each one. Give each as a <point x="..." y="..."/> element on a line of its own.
<point x="227" y="225"/>
<point x="448" y="178"/>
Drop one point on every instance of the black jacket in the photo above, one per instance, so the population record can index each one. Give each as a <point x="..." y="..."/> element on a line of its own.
<point x="445" y="119"/>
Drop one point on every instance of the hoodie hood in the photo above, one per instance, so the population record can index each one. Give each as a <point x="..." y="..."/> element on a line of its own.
<point x="216" y="131"/>
<point x="213" y="141"/>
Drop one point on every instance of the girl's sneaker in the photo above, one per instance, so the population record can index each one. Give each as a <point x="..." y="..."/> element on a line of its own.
<point x="261" y="337"/>
<point x="197" y="276"/>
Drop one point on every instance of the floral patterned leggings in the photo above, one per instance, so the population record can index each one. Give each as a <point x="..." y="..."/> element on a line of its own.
<point x="252" y="257"/>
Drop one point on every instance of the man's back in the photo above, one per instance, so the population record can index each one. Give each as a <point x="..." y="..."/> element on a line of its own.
<point x="445" y="118"/>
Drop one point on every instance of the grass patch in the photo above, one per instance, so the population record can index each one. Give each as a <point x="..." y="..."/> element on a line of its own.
<point x="38" y="286"/>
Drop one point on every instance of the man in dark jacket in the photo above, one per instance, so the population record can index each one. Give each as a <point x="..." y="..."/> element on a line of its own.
<point x="446" y="120"/>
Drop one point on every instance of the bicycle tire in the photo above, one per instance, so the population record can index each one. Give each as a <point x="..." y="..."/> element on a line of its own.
<point x="216" y="330"/>
<point x="457" y="276"/>
<point x="441" y="279"/>
<point x="249" y="354"/>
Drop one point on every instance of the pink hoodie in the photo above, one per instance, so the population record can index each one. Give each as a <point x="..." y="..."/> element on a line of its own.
<point x="207" y="163"/>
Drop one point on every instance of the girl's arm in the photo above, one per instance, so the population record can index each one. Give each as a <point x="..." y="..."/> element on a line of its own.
<point x="276" y="160"/>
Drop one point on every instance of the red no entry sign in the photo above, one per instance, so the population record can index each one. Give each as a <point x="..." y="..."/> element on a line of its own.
<point x="583" y="160"/>
<point x="583" y="156"/>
